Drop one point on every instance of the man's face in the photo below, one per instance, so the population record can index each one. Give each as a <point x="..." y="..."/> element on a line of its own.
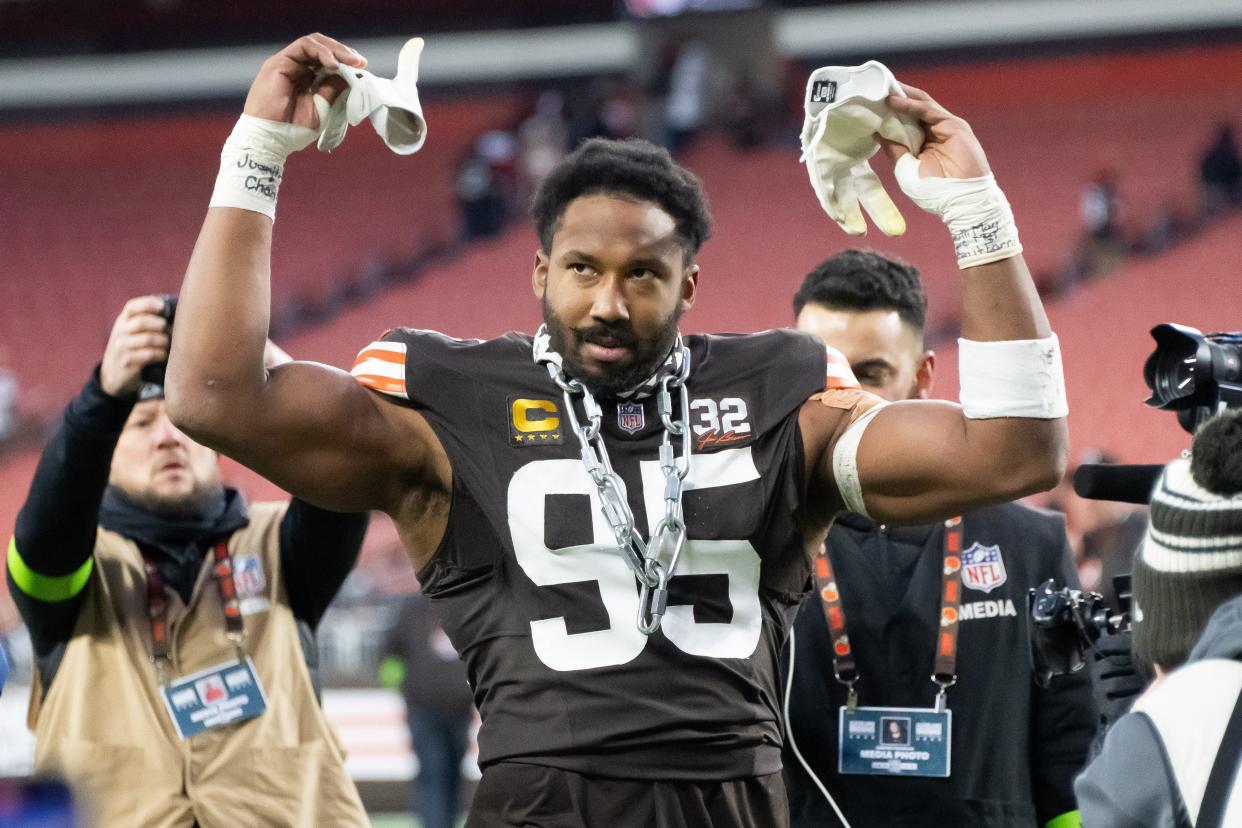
<point x="161" y="468"/>
<point x="885" y="353"/>
<point x="613" y="287"/>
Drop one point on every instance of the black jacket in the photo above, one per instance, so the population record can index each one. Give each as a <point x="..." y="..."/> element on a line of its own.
<point x="1015" y="747"/>
<point x="434" y="679"/>
<point x="1171" y="740"/>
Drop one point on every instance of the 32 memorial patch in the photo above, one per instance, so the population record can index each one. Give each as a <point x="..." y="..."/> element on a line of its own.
<point x="534" y="422"/>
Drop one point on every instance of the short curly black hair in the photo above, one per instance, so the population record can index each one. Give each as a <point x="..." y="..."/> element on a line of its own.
<point x="863" y="280"/>
<point x="630" y="167"/>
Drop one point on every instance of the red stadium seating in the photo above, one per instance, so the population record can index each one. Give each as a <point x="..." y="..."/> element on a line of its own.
<point x="96" y="212"/>
<point x="93" y="213"/>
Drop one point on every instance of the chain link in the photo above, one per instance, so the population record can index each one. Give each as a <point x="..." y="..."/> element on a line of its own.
<point x="653" y="563"/>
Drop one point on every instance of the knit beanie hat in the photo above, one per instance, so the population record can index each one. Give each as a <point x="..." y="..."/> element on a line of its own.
<point x="1190" y="561"/>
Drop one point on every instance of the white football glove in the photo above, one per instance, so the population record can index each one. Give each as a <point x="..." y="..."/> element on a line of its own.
<point x="845" y="108"/>
<point x="392" y="105"/>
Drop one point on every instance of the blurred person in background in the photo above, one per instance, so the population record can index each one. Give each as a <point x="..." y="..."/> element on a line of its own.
<point x="603" y="703"/>
<point x="543" y="139"/>
<point x="1220" y="172"/>
<point x="1100" y="211"/>
<point x="686" y="108"/>
<point x="173" y="624"/>
<point x="1015" y="746"/>
<point x="418" y="659"/>
<point x="1172" y="761"/>
<point x="486" y="185"/>
<point x="617" y="113"/>
<point x="8" y="398"/>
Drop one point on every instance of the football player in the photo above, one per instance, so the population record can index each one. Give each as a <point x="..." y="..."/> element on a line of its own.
<point x="615" y="522"/>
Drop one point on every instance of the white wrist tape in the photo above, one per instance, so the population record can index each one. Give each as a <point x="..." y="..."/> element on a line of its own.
<point x="1012" y="378"/>
<point x="845" y="462"/>
<point x="975" y="210"/>
<point x="252" y="162"/>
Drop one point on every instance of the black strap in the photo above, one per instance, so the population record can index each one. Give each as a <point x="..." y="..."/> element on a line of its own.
<point x="1224" y="771"/>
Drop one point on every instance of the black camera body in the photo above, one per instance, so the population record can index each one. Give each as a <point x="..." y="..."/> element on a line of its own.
<point x="153" y="374"/>
<point x="1066" y="623"/>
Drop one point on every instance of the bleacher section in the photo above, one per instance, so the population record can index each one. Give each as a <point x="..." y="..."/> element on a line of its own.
<point x="94" y="213"/>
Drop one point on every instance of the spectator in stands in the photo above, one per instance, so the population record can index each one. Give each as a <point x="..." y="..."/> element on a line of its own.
<point x="1220" y="172"/>
<point x="543" y="139"/>
<point x="685" y="109"/>
<point x="1015" y="747"/>
<point x="166" y="615"/>
<point x="1100" y="209"/>
<point x="482" y="195"/>
<point x="618" y="113"/>
<point x="1173" y="760"/>
<point x="419" y="659"/>
<point x="749" y="114"/>
<point x="8" y="398"/>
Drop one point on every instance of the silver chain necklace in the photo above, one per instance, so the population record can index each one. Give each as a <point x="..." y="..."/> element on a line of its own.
<point x="652" y="562"/>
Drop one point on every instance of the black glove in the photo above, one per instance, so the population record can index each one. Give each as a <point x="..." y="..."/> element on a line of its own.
<point x="1118" y="681"/>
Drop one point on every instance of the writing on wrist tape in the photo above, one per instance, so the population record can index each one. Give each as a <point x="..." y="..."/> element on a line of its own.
<point x="252" y="162"/>
<point x="975" y="210"/>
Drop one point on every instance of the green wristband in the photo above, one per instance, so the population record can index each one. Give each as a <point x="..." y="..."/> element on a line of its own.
<point x="50" y="588"/>
<point x="1069" y="819"/>
<point x="391" y="672"/>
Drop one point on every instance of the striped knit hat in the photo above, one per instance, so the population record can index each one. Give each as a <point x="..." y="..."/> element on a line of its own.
<point x="1191" y="558"/>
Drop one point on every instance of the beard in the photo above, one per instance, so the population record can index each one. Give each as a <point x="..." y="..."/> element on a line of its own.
<point x="201" y="501"/>
<point x="647" y="355"/>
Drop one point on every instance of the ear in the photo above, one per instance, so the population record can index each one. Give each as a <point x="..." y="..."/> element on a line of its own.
<point x="925" y="376"/>
<point x="689" y="287"/>
<point x="539" y="276"/>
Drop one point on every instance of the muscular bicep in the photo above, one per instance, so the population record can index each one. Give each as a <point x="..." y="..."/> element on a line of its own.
<point x="923" y="460"/>
<point x="315" y="432"/>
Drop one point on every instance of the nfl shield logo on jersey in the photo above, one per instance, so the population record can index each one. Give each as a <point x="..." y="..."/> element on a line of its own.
<point x="630" y="417"/>
<point x="983" y="568"/>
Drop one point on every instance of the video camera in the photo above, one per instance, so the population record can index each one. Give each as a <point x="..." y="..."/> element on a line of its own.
<point x="1195" y="374"/>
<point x="1066" y="623"/>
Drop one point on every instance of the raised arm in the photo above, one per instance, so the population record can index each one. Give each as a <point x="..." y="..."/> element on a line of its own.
<point x="307" y="427"/>
<point x="920" y="460"/>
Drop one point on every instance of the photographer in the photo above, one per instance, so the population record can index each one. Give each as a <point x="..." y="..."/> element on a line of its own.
<point x="172" y="624"/>
<point x="1183" y="738"/>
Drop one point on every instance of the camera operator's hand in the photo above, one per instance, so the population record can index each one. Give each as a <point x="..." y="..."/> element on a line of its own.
<point x="1118" y="680"/>
<point x="139" y="338"/>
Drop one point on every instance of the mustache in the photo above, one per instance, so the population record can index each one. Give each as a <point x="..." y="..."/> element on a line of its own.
<point x="617" y="335"/>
